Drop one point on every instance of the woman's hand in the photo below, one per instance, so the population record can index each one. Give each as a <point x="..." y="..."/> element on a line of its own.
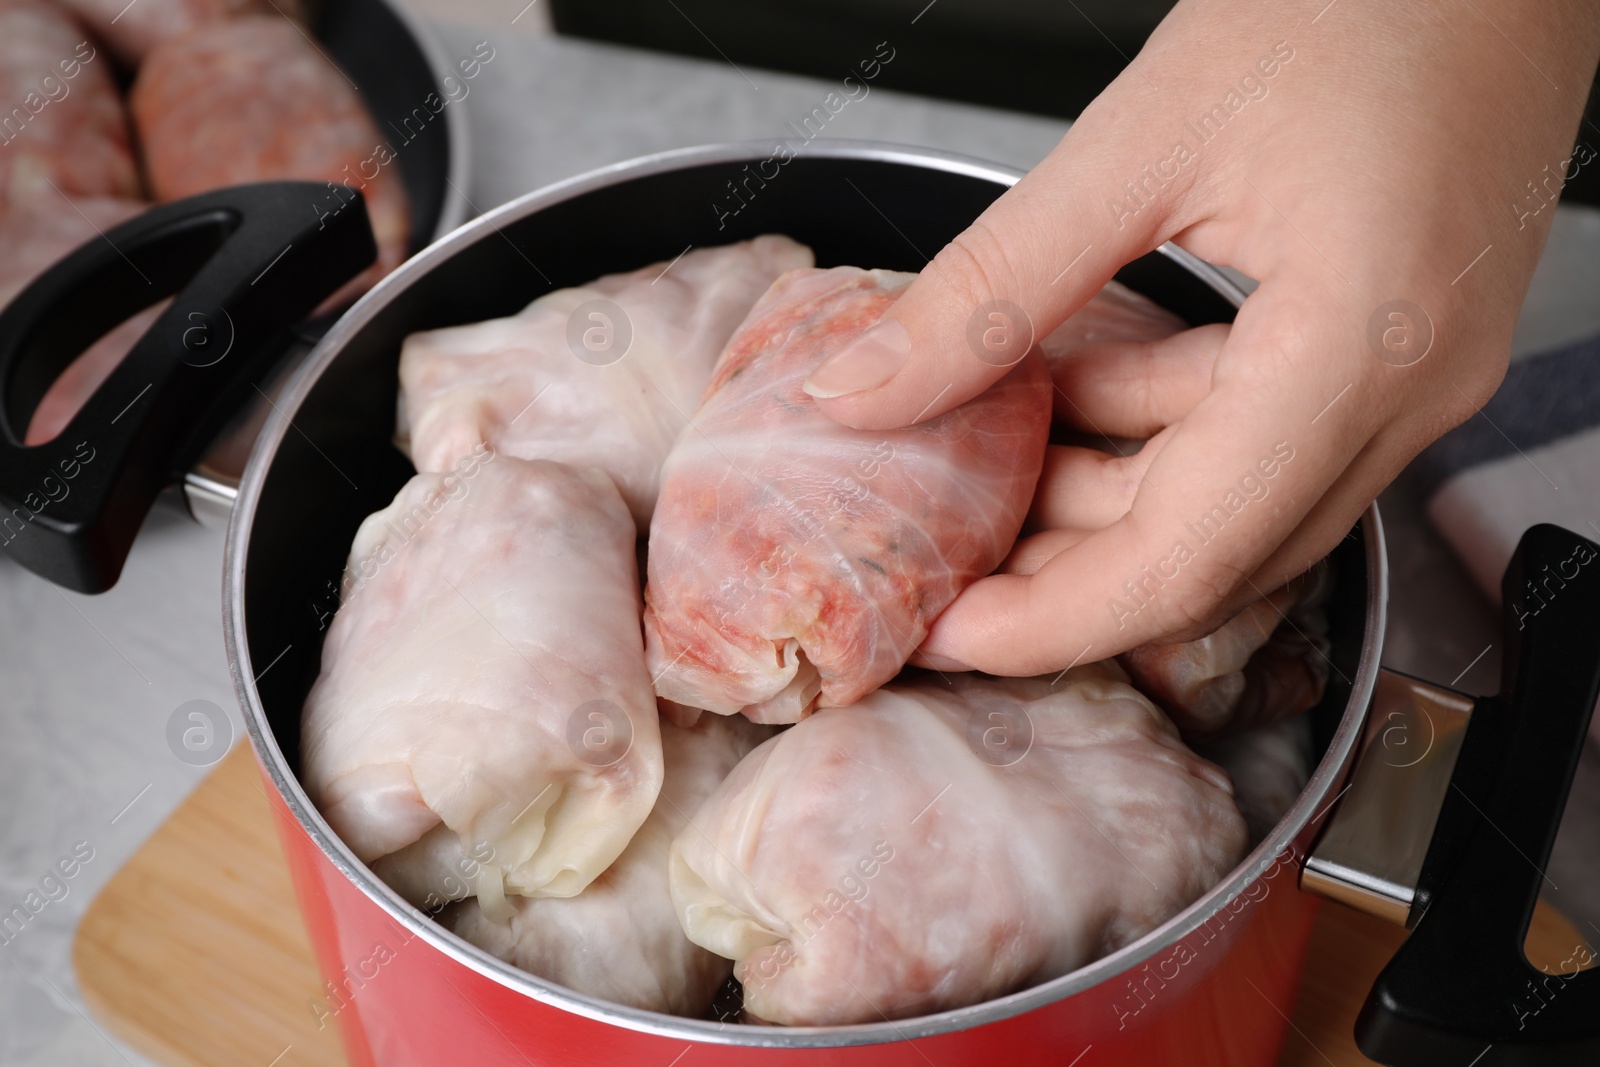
<point x="1387" y="171"/>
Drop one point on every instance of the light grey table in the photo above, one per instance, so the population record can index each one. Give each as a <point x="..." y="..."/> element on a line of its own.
<point x="88" y="684"/>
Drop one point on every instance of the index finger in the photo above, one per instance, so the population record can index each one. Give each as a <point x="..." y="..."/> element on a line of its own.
<point x="1238" y="476"/>
<point x="1036" y="255"/>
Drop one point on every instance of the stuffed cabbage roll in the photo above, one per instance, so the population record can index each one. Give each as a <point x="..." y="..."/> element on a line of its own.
<point x="1268" y="765"/>
<point x="133" y="29"/>
<point x="1115" y="313"/>
<point x="1266" y="663"/>
<point x="62" y="127"/>
<point x="569" y="379"/>
<point x="620" y="939"/>
<point x="252" y="99"/>
<point x="795" y="561"/>
<point x="948" y="843"/>
<point x="484" y="672"/>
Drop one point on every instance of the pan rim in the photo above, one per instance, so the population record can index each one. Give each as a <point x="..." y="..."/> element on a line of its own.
<point x="453" y="204"/>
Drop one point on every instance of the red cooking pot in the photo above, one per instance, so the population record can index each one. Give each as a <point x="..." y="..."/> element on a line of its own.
<point x="1432" y="808"/>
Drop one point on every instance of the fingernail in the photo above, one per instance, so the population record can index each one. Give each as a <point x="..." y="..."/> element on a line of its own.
<point x="865" y="363"/>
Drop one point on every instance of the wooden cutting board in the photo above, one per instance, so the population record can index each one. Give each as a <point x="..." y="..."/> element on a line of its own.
<point x="195" y="954"/>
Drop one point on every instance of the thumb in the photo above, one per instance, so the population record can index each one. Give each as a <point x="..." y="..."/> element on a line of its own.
<point x="1039" y="253"/>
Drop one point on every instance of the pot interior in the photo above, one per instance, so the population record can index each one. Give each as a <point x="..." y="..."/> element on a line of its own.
<point x="337" y="465"/>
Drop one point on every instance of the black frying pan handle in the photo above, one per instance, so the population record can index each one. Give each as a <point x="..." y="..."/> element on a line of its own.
<point x="1460" y="987"/>
<point x="247" y="264"/>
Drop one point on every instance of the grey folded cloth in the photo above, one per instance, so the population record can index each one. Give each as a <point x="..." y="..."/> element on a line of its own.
<point x="1532" y="453"/>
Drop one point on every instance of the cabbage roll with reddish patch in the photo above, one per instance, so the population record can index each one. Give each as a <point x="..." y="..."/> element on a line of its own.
<point x="484" y="679"/>
<point x="946" y="843"/>
<point x="132" y="30"/>
<point x="796" y="562"/>
<point x="1266" y="663"/>
<point x="252" y="99"/>
<point x="62" y="127"/>
<point x="620" y="939"/>
<point x="606" y="374"/>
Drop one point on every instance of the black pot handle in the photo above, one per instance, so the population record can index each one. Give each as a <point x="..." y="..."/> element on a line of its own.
<point x="1460" y="991"/>
<point x="247" y="264"/>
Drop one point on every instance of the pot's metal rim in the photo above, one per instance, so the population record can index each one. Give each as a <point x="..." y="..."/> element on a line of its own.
<point x="453" y="205"/>
<point x="1309" y="807"/>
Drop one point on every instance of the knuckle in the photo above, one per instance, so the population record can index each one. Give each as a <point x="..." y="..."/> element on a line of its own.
<point x="1148" y="389"/>
<point x="1204" y="600"/>
<point x="975" y="264"/>
<point x="1482" y="378"/>
<point x="1460" y="388"/>
<point x="1455" y="409"/>
<point x="1127" y="474"/>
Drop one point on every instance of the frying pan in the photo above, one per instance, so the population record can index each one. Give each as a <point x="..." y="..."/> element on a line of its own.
<point x="396" y="65"/>
<point x="1451" y="842"/>
<point x="395" y="62"/>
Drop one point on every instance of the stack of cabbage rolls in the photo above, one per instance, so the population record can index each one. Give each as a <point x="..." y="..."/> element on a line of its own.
<point x="636" y="785"/>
